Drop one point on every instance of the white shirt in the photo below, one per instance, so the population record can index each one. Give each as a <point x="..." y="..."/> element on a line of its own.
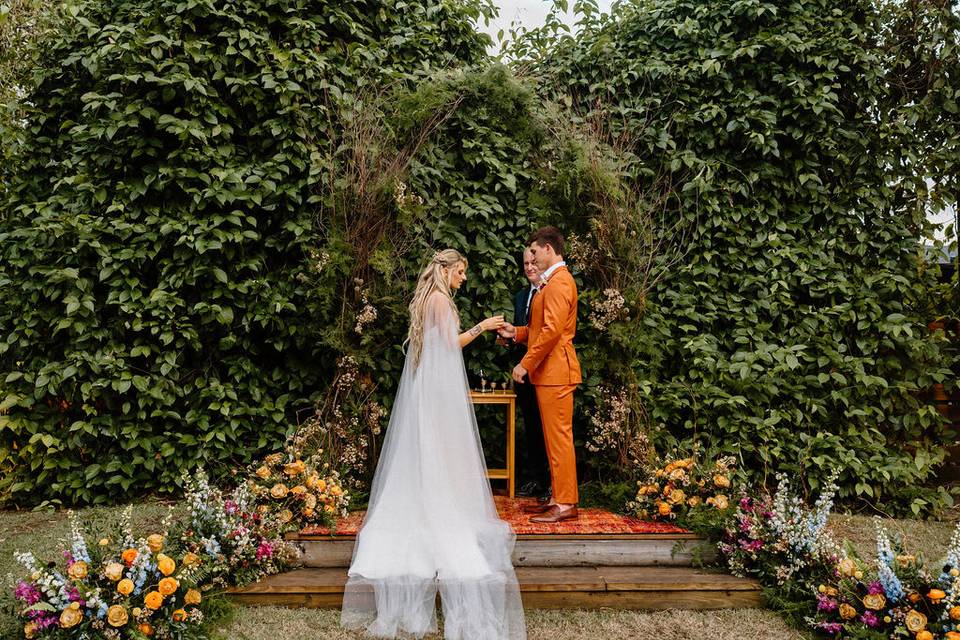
<point x="549" y="272"/>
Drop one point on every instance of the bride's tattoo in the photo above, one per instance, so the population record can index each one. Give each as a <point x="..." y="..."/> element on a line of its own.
<point x="476" y="331"/>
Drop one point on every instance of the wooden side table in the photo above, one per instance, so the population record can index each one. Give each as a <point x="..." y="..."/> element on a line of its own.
<point x="509" y="400"/>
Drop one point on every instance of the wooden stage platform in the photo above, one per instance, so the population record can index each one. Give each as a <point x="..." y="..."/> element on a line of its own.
<point x="603" y="561"/>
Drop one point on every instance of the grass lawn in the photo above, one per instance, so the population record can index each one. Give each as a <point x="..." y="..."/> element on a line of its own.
<point x="41" y="533"/>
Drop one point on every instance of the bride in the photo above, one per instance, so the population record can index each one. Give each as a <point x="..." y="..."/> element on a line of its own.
<point x="431" y="525"/>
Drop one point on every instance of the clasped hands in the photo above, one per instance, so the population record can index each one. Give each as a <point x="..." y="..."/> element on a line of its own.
<point x="509" y="331"/>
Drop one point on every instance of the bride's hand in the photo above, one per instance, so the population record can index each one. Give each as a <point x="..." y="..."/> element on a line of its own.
<point x="492" y="324"/>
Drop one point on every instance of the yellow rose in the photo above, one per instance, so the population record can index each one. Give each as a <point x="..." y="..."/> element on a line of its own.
<point x="677" y="496"/>
<point x="904" y="561"/>
<point x="146" y="629"/>
<point x="190" y="559"/>
<point x="113" y="571"/>
<point x="117" y="616"/>
<point x="310" y="501"/>
<point x="136" y="611"/>
<point x="693" y="501"/>
<point x="721" y="481"/>
<point x="167" y="586"/>
<point x="847" y="612"/>
<point x="30" y="630"/>
<point x="294" y="468"/>
<point x="193" y="597"/>
<point x="321" y="485"/>
<point x="664" y="509"/>
<point x="312" y="480"/>
<point x="179" y="615"/>
<point x="166" y="565"/>
<point x="721" y="502"/>
<point x="129" y="555"/>
<point x="155" y="542"/>
<point x="125" y="587"/>
<point x="847" y="567"/>
<point x="915" y="621"/>
<point x="298" y="490"/>
<point x="263" y="508"/>
<point x="874" y="601"/>
<point x="77" y="570"/>
<point x="153" y="600"/>
<point x="263" y="473"/>
<point x="279" y="491"/>
<point x="336" y="490"/>
<point x="678" y="474"/>
<point x="71" y="616"/>
<point x="285" y="516"/>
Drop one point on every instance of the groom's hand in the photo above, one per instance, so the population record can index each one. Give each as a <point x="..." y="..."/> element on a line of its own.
<point x="507" y="331"/>
<point x="518" y="373"/>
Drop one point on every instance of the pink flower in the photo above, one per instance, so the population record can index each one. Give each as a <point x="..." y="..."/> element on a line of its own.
<point x="27" y="592"/>
<point x="265" y="550"/>
<point x="229" y="507"/>
<point x="870" y="619"/>
<point x="875" y="588"/>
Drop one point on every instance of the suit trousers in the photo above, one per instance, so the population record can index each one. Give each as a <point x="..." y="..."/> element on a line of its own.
<point x="556" y="415"/>
<point x="535" y="468"/>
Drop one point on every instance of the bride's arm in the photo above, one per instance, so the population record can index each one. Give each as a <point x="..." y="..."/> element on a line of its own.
<point x="489" y="324"/>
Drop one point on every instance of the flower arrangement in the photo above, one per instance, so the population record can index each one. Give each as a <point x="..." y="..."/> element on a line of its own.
<point x="294" y="494"/>
<point x="120" y="587"/>
<point x="681" y="487"/>
<point x="896" y="597"/>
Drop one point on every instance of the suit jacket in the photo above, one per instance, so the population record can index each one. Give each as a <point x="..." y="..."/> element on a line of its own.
<point x="551" y="358"/>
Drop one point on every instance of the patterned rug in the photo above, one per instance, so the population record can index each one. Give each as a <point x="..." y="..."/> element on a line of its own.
<point x="591" y="521"/>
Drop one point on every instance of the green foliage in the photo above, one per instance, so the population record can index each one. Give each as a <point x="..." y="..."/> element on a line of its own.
<point x="792" y="334"/>
<point x="158" y="208"/>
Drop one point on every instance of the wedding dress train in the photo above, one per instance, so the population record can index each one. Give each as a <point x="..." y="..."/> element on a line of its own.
<point x="431" y="525"/>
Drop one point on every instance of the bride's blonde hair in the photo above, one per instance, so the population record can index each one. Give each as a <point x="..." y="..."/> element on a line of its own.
<point x="435" y="277"/>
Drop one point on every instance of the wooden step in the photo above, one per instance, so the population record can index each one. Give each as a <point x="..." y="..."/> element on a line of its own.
<point x="623" y="587"/>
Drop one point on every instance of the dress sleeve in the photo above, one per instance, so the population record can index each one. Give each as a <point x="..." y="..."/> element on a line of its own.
<point x="440" y="322"/>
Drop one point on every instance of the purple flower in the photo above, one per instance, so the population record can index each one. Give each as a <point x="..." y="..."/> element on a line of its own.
<point x="74" y="596"/>
<point x="27" y="592"/>
<point x="46" y="620"/>
<point x="826" y="604"/>
<point x="870" y="619"/>
<point x="265" y="550"/>
<point x="746" y="504"/>
<point x="69" y="557"/>
<point x="875" y="588"/>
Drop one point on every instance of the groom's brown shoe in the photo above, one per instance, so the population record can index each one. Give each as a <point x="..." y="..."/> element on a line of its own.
<point x="537" y="508"/>
<point x="554" y="514"/>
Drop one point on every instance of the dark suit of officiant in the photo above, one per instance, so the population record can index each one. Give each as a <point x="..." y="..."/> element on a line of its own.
<point x="535" y="468"/>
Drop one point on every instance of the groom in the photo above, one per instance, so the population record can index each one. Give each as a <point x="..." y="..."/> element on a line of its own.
<point x="553" y="369"/>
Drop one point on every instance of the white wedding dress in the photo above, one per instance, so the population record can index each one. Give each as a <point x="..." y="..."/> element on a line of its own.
<point x="431" y="525"/>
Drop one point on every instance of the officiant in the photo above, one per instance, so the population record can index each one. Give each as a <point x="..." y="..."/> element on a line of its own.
<point x="534" y="473"/>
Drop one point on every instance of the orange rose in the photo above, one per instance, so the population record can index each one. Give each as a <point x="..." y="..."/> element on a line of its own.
<point x="874" y="601"/>
<point x="113" y="571"/>
<point x="915" y="621"/>
<point x="955" y="613"/>
<point x="192" y="597"/>
<point x="664" y="509"/>
<point x="179" y="615"/>
<point x="294" y="468"/>
<point x="190" y="559"/>
<point x="721" y="481"/>
<point x="125" y="587"/>
<point x="329" y="508"/>
<point x="146" y="629"/>
<point x="30" y="630"/>
<point x="693" y="501"/>
<point x="847" y="612"/>
<point x="263" y="473"/>
<point x="936" y="595"/>
<point x="279" y="491"/>
<point x="71" y="616"/>
<point x="154" y="600"/>
<point x="953" y="635"/>
<point x="336" y="490"/>
<point x="298" y="490"/>
<point x="77" y="570"/>
<point x="312" y="480"/>
<point x="166" y="565"/>
<point x="924" y="635"/>
<point x="321" y="485"/>
<point x="117" y="616"/>
<point x="846" y="567"/>
<point x="167" y="586"/>
<point x="155" y="542"/>
<point x="129" y="555"/>
<point x="285" y="516"/>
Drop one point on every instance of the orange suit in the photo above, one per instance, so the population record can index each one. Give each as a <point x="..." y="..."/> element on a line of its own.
<point x="555" y="373"/>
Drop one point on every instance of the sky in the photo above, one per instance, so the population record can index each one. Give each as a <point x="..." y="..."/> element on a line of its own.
<point x="532" y="13"/>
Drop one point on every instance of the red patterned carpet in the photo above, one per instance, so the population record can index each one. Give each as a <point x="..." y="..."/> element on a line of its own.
<point x="591" y="521"/>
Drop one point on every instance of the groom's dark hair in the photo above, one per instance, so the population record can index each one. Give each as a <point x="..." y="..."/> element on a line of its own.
<point x="547" y="236"/>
